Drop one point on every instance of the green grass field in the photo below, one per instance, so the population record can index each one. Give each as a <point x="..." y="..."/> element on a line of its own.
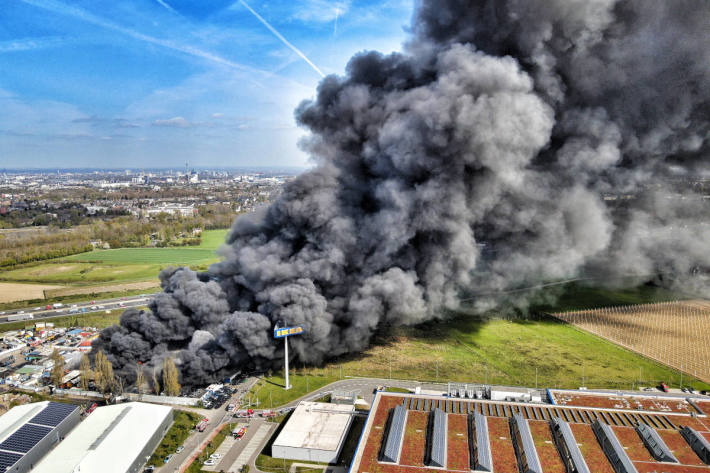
<point x="120" y="265"/>
<point x="546" y="353"/>
<point x="212" y="239"/>
<point x="205" y="253"/>
<point x="175" y="256"/>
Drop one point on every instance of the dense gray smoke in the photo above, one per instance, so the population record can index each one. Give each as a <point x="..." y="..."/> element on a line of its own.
<point x="513" y="142"/>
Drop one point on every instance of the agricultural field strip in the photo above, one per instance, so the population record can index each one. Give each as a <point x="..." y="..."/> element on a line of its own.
<point x="684" y="346"/>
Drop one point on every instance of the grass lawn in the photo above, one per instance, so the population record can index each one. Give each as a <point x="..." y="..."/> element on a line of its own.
<point x="183" y="423"/>
<point x="476" y="349"/>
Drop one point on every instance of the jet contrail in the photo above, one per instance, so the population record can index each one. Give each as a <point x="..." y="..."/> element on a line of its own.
<point x="64" y="9"/>
<point x="335" y="26"/>
<point x="283" y="40"/>
<point x="164" y="4"/>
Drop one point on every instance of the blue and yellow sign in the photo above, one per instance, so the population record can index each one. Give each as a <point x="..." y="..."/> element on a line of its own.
<point x="288" y="331"/>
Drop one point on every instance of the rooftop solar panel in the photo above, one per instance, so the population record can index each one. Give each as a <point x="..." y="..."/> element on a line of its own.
<point x="8" y="459"/>
<point x="53" y="414"/>
<point x="395" y="434"/>
<point x="616" y="454"/>
<point x="437" y="443"/>
<point x="525" y="445"/>
<point x="25" y="438"/>
<point x="655" y="444"/>
<point x="567" y="445"/>
<point x="483" y="460"/>
<point x="697" y="442"/>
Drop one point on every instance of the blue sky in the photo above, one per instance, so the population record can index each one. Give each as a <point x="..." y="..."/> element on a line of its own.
<point x="156" y="83"/>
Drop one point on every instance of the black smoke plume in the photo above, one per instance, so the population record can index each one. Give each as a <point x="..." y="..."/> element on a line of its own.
<point x="512" y="142"/>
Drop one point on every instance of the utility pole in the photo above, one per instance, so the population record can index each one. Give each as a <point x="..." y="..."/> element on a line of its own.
<point x="307" y="390"/>
<point x="341" y="371"/>
<point x="271" y="402"/>
<point x="437" y="371"/>
<point x="390" y="367"/>
<point x="536" y="377"/>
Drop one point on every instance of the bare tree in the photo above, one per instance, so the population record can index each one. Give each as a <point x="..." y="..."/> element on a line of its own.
<point x="171" y="384"/>
<point x="86" y="374"/>
<point x="156" y="382"/>
<point x="57" y="373"/>
<point x="103" y="373"/>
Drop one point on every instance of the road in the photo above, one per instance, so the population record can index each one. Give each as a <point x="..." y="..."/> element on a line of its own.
<point x="76" y="308"/>
<point x="215" y="418"/>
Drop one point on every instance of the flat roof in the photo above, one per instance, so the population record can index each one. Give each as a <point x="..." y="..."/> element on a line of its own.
<point x="108" y="440"/>
<point x="316" y="425"/>
<point x="19" y="416"/>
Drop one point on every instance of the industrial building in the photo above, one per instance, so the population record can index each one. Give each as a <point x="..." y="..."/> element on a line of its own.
<point x="29" y="431"/>
<point x="112" y="439"/>
<point x="407" y="432"/>
<point x="315" y="431"/>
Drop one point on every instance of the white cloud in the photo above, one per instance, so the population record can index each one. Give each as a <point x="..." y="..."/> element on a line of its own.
<point x="321" y="11"/>
<point x="175" y="122"/>
<point x="29" y="44"/>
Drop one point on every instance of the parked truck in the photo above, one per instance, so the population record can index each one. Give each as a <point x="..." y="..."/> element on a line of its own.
<point x="14" y="317"/>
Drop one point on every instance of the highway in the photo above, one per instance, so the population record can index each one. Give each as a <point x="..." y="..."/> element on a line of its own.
<point x="75" y="308"/>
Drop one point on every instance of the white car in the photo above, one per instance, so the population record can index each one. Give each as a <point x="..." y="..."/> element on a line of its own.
<point x="216" y="456"/>
<point x="101" y="307"/>
<point x="210" y="462"/>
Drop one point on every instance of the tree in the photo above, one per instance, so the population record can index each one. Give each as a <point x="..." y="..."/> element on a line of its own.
<point x="156" y="383"/>
<point x="86" y="374"/>
<point x="140" y="378"/>
<point x="103" y="373"/>
<point x="57" y="373"/>
<point x="170" y="378"/>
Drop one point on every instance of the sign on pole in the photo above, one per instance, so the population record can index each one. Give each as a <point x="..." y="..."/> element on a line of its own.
<point x="288" y="331"/>
<point x="284" y="333"/>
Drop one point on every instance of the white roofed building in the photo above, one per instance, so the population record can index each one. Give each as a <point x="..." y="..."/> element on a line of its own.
<point x="29" y="431"/>
<point x="316" y="431"/>
<point x="112" y="439"/>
